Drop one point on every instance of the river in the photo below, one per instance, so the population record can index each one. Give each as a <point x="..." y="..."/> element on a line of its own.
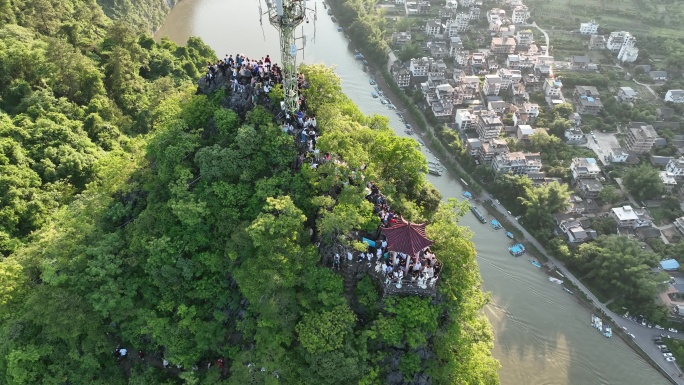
<point x="542" y="335"/>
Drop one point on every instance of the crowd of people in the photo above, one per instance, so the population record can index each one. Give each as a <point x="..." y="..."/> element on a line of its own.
<point x="262" y="75"/>
<point x="397" y="268"/>
<point x="422" y="269"/>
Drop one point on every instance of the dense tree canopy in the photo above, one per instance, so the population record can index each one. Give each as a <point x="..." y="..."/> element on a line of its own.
<point x="134" y="213"/>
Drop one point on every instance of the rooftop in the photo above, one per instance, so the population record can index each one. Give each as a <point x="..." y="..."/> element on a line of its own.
<point x="625" y="213"/>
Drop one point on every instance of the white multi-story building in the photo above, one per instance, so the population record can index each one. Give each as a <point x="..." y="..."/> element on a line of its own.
<point x="518" y="163"/>
<point x="553" y="87"/>
<point x="628" y="52"/>
<point x="626" y="216"/>
<point x="676" y="167"/>
<point x="489" y="126"/>
<point x="401" y="76"/>
<point x="584" y="168"/>
<point x="520" y="14"/>
<point x="464" y="120"/>
<point x="617" y="39"/>
<point x="420" y="66"/>
<point x="590" y="28"/>
<point x="459" y="23"/>
<point x="674" y="96"/>
<point x="524" y="38"/>
<point x="492" y="85"/>
<point x="433" y="27"/>
<point x="574" y="135"/>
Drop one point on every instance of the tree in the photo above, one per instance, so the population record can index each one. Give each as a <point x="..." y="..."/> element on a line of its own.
<point x="643" y="182"/>
<point x="618" y="265"/>
<point x="542" y="202"/>
<point x="610" y="194"/>
<point x="605" y="225"/>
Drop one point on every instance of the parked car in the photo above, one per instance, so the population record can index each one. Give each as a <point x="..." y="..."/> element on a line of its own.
<point x="667" y="354"/>
<point x="631" y="335"/>
<point x="659" y="327"/>
<point x="672" y="330"/>
<point x="650" y="325"/>
<point x="643" y="322"/>
<point x="669" y="359"/>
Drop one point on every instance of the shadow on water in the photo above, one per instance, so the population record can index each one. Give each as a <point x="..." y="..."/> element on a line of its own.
<point x="542" y="334"/>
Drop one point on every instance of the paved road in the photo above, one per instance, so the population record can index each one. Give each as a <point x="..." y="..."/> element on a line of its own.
<point x="546" y="35"/>
<point x="643" y="336"/>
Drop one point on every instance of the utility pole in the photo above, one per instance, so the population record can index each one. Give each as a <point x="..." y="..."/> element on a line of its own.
<point x="285" y="16"/>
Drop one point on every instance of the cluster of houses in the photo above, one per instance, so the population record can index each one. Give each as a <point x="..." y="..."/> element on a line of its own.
<point x="469" y="96"/>
<point x="622" y="43"/>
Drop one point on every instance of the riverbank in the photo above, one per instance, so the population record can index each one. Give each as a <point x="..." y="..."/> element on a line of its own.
<point x="582" y="294"/>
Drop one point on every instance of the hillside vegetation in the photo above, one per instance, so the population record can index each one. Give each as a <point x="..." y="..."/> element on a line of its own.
<point x="136" y="213"/>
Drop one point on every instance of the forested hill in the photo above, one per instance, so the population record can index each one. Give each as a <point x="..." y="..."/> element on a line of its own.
<point x="148" y="15"/>
<point x="136" y="214"/>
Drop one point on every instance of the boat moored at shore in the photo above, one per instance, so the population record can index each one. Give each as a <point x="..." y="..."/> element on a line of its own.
<point x="478" y="214"/>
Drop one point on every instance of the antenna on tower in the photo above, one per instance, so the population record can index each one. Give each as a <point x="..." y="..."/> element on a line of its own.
<point x="285" y="16"/>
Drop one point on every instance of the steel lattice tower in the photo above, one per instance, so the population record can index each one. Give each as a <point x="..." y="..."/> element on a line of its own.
<point x="285" y="16"/>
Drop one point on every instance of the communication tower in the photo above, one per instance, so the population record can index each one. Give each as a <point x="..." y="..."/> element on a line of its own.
<point x="285" y="16"/>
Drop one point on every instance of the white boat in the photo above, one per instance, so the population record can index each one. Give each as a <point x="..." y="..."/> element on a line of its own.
<point x="555" y="280"/>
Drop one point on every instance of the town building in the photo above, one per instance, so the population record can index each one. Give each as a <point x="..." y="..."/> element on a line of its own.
<point x="589" y="187"/>
<point x="590" y="28"/>
<point x="419" y="66"/>
<point x="524" y="131"/>
<point x="618" y="155"/>
<point x="597" y="42"/>
<point x="587" y="100"/>
<point x="626" y="94"/>
<point x="492" y="85"/>
<point x="401" y="75"/>
<point x="553" y="87"/>
<point x="679" y="224"/>
<point x="584" y="168"/>
<point x="616" y="40"/>
<point x="459" y="23"/>
<point x="524" y="39"/>
<point x="668" y="179"/>
<point x="433" y="27"/>
<point x="473" y="146"/>
<point x="517" y="163"/>
<point x="574" y="230"/>
<point x="401" y="38"/>
<point x="464" y="120"/>
<point x="497" y="106"/>
<point x="503" y="45"/>
<point x="626" y="216"/>
<point x="629" y="52"/>
<point x="658" y="76"/>
<point x="509" y="77"/>
<point x="674" y="96"/>
<point x="489" y="126"/>
<point x="676" y="167"/>
<point x="574" y="135"/>
<point x="491" y="148"/>
<point x="520" y="14"/>
<point x="640" y="137"/>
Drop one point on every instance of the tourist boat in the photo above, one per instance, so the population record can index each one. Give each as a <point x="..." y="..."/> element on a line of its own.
<point x="334" y="19"/>
<point x="509" y="234"/>
<point x="372" y="82"/>
<point x="608" y="332"/>
<point x="517" y="250"/>
<point x="420" y="141"/>
<point x="383" y="101"/>
<point x="568" y="290"/>
<point x="535" y="263"/>
<point x="478" y="214"/>
<point x="555" y="280"/>
<point x="408" y="131"/>
<point x="329" y="11"/>
<point x="495" y="224"/>
<point x="435" y="171"/>
<point x="339" y="29"/>
<point x="374" y="94"/>
<point x="467" y="195"/>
